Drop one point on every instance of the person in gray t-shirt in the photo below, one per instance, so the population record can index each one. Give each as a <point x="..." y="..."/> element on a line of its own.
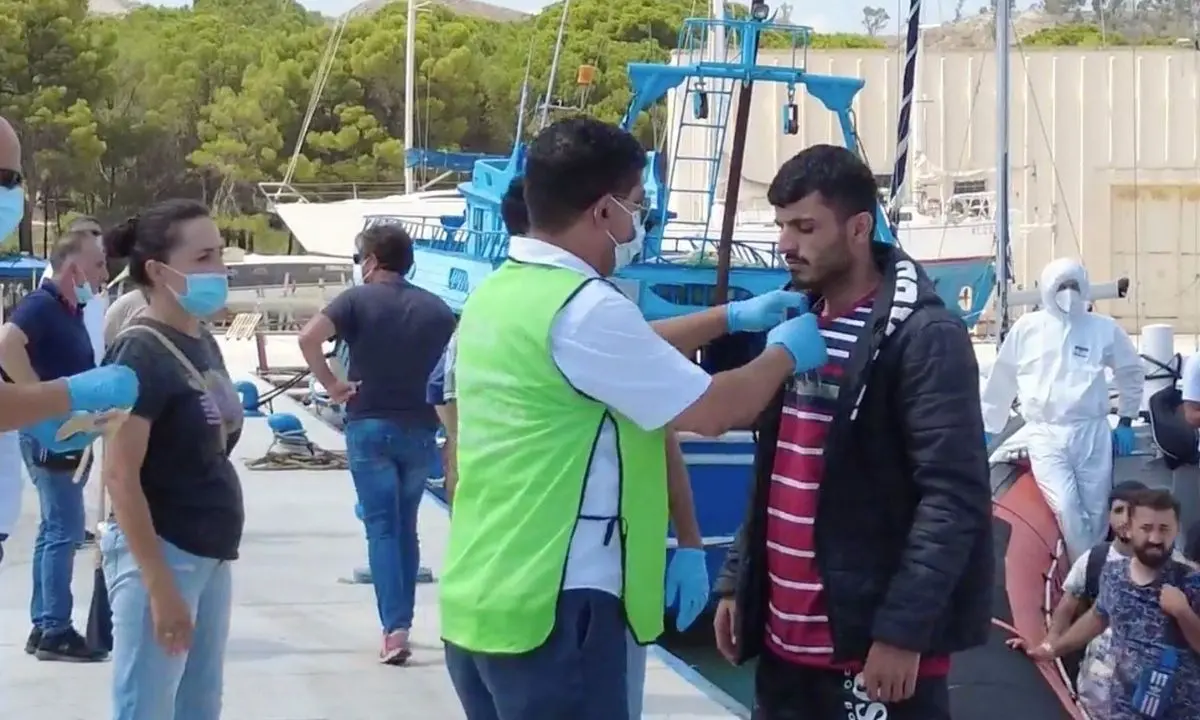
<point x="395" y="332"/>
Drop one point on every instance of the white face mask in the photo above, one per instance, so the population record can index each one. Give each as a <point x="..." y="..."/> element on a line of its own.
<point x="356" y="277"/>
<point x="1069" y="301"/>
<point x="625" y="252"/>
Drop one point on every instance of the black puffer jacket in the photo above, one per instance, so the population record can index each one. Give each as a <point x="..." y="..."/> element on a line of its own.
<point x="903" y="529"/>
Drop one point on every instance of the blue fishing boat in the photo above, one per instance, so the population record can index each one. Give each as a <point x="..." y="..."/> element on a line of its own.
<point x="680" y="273"/>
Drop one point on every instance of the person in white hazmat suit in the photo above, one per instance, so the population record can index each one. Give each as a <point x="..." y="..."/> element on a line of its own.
<point x="1053" y="361"/>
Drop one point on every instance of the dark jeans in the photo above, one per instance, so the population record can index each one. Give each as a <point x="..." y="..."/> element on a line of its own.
<point x="579" y="673"/>
<point x="389" y="464"/>
<point x="60" y="529"/>
<point x="785" y="691"/>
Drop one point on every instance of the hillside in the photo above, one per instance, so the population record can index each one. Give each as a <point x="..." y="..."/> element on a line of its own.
<point x="464" y="7"/>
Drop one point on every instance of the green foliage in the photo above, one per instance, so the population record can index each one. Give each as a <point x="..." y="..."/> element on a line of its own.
<point x="1073" y="35"/>
<point x="116" y="112"/>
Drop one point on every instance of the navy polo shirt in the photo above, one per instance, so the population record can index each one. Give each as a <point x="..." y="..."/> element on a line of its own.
<point x="59" y="344"/>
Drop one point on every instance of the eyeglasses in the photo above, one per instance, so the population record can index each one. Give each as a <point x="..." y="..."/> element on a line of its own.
<point x="10" y="179"/>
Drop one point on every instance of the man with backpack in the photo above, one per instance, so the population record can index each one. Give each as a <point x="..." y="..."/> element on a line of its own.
<point x="1146" y="603"/>
<point x="1080" y="591"/>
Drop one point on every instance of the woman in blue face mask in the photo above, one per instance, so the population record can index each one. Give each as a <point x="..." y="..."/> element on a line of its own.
<point x="176" y="497"/>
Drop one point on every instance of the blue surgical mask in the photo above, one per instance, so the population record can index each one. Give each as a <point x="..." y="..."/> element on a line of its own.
<point x="84" y="293"/>
<point x="205" y="294"/>
<point x="12" y="209"/>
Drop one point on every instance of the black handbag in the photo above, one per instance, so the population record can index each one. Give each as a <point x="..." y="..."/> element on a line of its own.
<point x="99" y="622"/>
<point x="59" y="462"/>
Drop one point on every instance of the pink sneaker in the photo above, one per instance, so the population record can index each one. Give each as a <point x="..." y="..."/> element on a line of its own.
<point x="395" y="649"/>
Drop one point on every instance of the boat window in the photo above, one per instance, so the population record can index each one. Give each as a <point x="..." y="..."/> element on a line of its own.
<point x="695" y="294"/>
<point x="477" y="220"/>
<point x="905" y="217"/>
<point x="963" y="187"/>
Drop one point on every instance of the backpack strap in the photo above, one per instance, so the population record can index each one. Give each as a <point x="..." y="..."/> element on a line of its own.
<point x="188" y="366"/>
<point x="1096" y="559"/>
<point x="1175" y="573"/>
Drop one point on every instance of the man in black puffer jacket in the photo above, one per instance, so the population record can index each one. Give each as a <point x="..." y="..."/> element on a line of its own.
<point x="865" y="559"/>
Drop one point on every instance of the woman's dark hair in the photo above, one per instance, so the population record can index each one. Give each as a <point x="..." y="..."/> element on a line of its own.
<point x="391" y="246"/>
<point x="150" y="235"/>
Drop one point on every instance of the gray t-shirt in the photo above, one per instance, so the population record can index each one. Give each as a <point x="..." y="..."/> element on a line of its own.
<point x="121" y="312"/>
<point x="395" y="333"/>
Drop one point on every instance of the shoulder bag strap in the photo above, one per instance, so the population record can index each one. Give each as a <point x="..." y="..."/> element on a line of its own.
<point x="180" y="357"/>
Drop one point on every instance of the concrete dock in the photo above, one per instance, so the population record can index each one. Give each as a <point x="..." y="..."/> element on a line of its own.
<point x="303" y="643"/>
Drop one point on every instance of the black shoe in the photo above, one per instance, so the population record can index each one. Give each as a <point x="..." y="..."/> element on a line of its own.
<point x="89" y="538"/>
<point x="35" y="639"/>
<point x="68" y="646"/>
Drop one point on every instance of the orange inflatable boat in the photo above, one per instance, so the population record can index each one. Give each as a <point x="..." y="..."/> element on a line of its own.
<point x="994" y="682"/>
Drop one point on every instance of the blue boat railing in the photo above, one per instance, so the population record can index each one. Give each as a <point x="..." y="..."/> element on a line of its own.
<point x="683" y="243"/>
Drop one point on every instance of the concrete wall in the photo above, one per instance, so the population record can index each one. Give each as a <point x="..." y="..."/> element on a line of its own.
<point x="1105" y="154"/>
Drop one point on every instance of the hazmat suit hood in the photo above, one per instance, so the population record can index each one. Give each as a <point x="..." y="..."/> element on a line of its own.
<point x="1054" y="275"/>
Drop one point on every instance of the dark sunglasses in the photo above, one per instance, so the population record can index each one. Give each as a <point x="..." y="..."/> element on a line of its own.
<point x="10" y="179"/>
<point x="357" y="258"/>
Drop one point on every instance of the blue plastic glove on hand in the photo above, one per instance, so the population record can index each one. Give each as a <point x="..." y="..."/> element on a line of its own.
<point x="1122" y="436"/>
<point x="764" y="312"/>
<point x="104" y="388"/>
<point x="687" y="585"/>
<point x="46" y="435"/>
<point x="801" y="337"/>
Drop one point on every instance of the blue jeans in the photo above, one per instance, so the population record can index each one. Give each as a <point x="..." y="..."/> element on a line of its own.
<point x="389" y="464"/>
<point x="578" y="673"/>
<point x="149" y="684"/>
<point x="59" y="532"/>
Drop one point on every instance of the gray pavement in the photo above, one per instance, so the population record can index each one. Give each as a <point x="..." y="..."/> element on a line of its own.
<point x="303" y="644"/>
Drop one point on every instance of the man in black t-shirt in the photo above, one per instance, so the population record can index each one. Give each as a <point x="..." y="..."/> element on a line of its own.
<point x="395" y="332"/>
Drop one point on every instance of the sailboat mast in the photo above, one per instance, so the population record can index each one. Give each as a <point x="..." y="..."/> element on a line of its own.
<point x="1003" y="97"/>
<point x="737" y="150"/>
<point x="410" y="81"/>
<point x="719" y="50"/>
<point x="558" y="44"/>
<point x="904" y="127"/>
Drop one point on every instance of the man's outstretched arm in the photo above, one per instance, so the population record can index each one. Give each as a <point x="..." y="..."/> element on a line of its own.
<point x="24" y="405"/>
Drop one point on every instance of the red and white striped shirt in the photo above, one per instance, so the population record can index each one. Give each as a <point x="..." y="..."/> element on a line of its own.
<point x="797" y="624"/>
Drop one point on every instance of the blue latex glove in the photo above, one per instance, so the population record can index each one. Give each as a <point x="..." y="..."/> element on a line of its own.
<point x="801" y="337"/>
<point x="46" y="434"/>
<point x="103" y="388"/>
<point x="1122" y="436"/>
<point x="764" y="312"/>
<point x="987" y="439"/>
<point x="687" y="585"/>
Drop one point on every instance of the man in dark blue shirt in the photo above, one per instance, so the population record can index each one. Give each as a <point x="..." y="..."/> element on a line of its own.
<point x="46" y="339"/>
